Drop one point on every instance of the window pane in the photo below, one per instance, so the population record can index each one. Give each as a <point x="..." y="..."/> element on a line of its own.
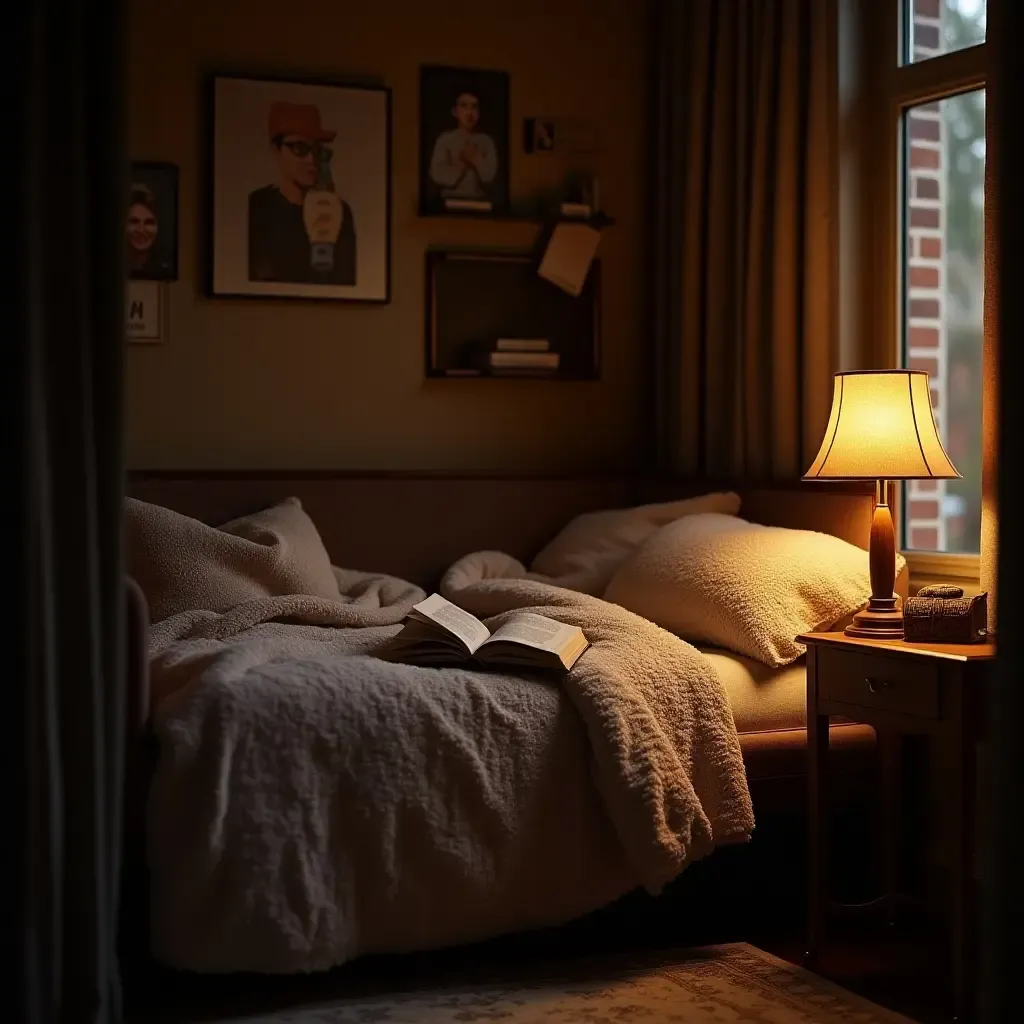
<point x="942" y="26"/>
<point x="944" y="178"/>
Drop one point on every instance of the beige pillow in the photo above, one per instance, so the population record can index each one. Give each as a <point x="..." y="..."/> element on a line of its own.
<point x="183" y="564"/>
<point x="586" y="553"/>
<point x="751" y="589"/>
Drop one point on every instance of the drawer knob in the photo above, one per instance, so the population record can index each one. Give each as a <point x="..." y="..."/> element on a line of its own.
<point x="878" y="685"/>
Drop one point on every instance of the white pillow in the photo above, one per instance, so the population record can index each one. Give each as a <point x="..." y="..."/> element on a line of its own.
<point x="586" y="553"/>
<point x="719" y="580"/>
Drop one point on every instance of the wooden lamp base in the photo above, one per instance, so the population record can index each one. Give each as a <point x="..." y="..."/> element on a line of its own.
<point x="877" y="623"/>
<point x="882" y="619"/>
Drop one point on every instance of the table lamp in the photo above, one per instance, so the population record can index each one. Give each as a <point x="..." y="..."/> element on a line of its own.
<point x="881" y="428"/>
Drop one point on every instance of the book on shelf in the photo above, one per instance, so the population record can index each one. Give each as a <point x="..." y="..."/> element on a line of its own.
<point x="532" y="360"/>
<point x="474" y="205"/>
<point x="523" y="371"/>
<point x="438" y="632"/>
<point x="522" y="345"/>
<point x="575" y="210"/>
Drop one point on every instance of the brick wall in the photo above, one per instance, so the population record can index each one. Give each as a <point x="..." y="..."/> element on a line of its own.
<point x="926" y="272"/>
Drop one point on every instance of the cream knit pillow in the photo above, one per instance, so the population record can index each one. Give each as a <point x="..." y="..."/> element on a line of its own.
<point x="719" y="580"/>
<point x="182" y="564"/>
<point x="585" y="553"/>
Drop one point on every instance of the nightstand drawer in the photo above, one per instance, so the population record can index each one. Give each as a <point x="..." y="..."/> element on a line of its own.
<point x="875" y="681"/>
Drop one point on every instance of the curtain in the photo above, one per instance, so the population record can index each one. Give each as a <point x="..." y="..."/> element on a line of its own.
<point x="990" y="363"/>
<point x="1002" y="879"/>
<point x="65" y="341"/>
<point x="745" y="250"/>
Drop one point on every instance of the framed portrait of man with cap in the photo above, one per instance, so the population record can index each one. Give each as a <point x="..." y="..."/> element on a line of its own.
<point x="301" y="189"/>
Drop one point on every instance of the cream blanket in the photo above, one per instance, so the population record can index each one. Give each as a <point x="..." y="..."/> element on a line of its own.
<point x="312" y="803"/>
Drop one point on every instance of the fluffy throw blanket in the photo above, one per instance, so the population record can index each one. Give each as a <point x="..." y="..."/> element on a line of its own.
<point x="313" y="803"/>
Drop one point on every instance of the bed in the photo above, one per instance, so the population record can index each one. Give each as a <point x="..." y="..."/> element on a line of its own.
<point x="413" y="527"/>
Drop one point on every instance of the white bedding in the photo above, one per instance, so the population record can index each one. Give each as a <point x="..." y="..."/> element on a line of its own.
<point x="763" y="699"/>
<point x="312" y="803"/>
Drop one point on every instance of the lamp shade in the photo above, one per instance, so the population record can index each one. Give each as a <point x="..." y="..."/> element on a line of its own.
<point x="881" y="428"/>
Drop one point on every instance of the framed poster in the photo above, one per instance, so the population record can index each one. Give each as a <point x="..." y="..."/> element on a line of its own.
<point x="151" y="222"/>
<point x="464" y="135"/>
<point x="301" y="189"/>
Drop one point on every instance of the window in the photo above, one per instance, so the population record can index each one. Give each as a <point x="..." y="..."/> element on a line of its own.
<point x="943" y="199"/>
<point x="935" y="27"/>
<point x="938" y="97"/>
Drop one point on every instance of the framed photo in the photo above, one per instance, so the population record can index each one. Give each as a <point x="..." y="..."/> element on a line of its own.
<point x="539" y="135"/>
<point x="301" y="189"/>
<point x="143" y="315"/>
<point x="151" y="222"/>
<point x="464" y="141"/>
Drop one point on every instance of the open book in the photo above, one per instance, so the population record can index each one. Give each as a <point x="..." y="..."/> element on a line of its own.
<point x="437" y="632"/>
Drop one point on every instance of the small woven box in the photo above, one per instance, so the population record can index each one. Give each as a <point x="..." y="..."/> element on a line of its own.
<point x="942" y="614"/>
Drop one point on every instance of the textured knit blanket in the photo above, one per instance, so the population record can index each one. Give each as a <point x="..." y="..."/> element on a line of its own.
<point x="313" y="803"/>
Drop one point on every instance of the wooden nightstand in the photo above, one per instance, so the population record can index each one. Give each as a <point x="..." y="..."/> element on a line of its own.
<point x="901" y="688"/>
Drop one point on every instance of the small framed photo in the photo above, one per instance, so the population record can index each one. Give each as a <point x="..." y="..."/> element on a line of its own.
<point x="464" y="141"/>
<point x="539" y="135"/>
<point x="301" y="189"/>
<point x="143" y="315"/>
<point x="151" y="222"/>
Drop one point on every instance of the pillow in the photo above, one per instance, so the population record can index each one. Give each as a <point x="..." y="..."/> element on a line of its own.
<point x="586" y="553"/>
<point x="182" y="564"/>
<point x="752" y="589"/>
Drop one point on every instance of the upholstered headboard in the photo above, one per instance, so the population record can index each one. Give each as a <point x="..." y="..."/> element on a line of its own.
<point x="414" y="525"/>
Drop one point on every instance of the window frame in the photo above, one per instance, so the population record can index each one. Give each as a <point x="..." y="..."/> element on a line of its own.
<point x="888" y="88"/>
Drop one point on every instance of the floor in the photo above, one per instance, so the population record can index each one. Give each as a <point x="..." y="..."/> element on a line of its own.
<point x="901" y="971"/>
<point x="895" y="971"/>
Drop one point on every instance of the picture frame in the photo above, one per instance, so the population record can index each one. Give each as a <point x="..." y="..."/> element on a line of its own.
<point x="299" y="189"/>
<point x="144" y="312"/>
<point x="481" y="300"/>
<point x="540" y="135"/>
<point x="151" y="222"/>
<point x="464" y="141"/>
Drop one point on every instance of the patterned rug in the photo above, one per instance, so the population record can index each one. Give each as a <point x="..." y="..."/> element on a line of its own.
<point x="711" y="985"/>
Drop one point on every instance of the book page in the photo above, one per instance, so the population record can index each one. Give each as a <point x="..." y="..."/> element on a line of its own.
<point x="468" y="628"/>
<point x="418" y="633"/>
<point x="535" y="631"/>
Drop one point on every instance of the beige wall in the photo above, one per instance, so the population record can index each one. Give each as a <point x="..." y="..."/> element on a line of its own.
<point x="322" y="385"/>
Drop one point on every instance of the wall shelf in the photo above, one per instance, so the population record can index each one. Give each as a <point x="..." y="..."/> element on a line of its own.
<point x="475" y="298"/>
<point x="507" y="375"/>
<point x="597" y="220"/>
